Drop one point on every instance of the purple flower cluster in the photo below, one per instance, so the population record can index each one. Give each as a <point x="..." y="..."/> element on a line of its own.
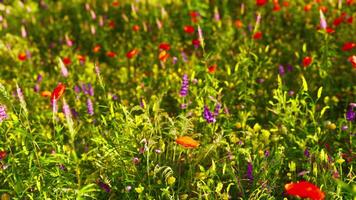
<point x="208" y="115"/>
<point x="104" y="186"/>
<point x="350" y="114"/>
<point x="282" y="69"/>
<point x="3" y="114"/>
<point x="90" y="107"/>
<point x="185" y="85"/>
<point x="249" y="172"/>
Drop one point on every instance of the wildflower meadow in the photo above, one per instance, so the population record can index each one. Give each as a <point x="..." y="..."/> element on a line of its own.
<point x="177" y="99"/>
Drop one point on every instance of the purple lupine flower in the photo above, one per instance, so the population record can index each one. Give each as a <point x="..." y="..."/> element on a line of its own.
<point x="249" y="172"/>
<point x="185" y="85"/>
<point x="39" y="78"/>
<point x="66" y="110"/>
<point x="36" y="88"/>
<point x="306" y="153"/>
<point x="75" y="114"/>
<point x="350" y="115"/>
<point x="90" y="90"/>
<point x="84" y="89"/>
<point x="142" y="103"/>
<point x="184" y="56"/>
<point x="76" y="89"/>
<point x="290" y="68"/>
<point x="323" y="23"/>
<point x="3" y="114"/>
<point x="217" y="109"/>
<point x="344" y="127"/>
<point x="174" y="60"/>
<point x="208" y="116"/>
<point x="104" y="186"/>
<point x="281" y="70"/>
<point x="90" y="108"/>
<point x="217" y="15"/>
<point x="64" y="70"/>
<point x="267" y="153"/>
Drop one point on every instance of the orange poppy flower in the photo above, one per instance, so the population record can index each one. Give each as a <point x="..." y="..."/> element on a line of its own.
<point x="46" y="93"/>
<point x="239" y="24"/>
<point x="136" y="28"/>
<point x="307" y="7"/>
<point x="163" y="56"/>
<point x="96" y="49"/>
<point x="81" y="58"/>
<point x="132" y="53"/>
<point x="304" y="189"/>
<point x="58" y="92"/>
<point x="22" y="56"/>
<point x="307" y="61"/>
<point x="189" y="29"/>
<point x="3" y="155"/>
<point x="115" y="4"/>
<point x="212" y="69"/>
<point x="276" y="7"/>
<point x="187" y="142"/>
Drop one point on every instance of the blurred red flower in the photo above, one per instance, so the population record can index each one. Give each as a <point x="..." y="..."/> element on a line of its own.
<point x="136" y="28"/>
<point x="261" y="2"/>
<point x="164" y="46"/>
<point x="307" y="7"/>
<point x="257" y="35"/>
<point x="22" y="56"/>
<point x="212" y="68"/>
<point x="304" y="189"/>
<point x="132" y="53"/>
<point x="97" y="48"/>
<point x="163" y="55"/>
<point x="189" y="29"/>
<point x="3" y="155"/>
<point x="352" y="60"/>
<point x="66" y="61"/>
<point x="58" y="92"/>
<point x="307" y="61"/>
<point x="111" y="54"/>
<point x="348" y="46"/>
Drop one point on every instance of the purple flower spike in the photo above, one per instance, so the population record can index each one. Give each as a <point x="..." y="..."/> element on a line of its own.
<point x="281" y="70"/>
<point x="208" y="116"/>
<point x="306" y="153"/>
<point x="185" y="84"/>
<point x="3" y="114"/>
<point x="104" y="186"/>
<point x="249" y="172"/>
<point x="350" y="115"/>
<point x="90" y="108"/>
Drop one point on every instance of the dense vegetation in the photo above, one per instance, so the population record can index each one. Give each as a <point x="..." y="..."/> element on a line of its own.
<point x="194" y="99"/>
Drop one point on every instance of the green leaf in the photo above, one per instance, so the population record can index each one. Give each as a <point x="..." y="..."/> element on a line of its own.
<point x="320" y="90"/>
<point x="305" y="84"/>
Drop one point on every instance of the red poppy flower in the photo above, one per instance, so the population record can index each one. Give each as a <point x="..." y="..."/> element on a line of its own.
<point x="187" y="142"/>
<point x="66" y="61"/>
<point x="111" y="54"/>
<point x="96" y="49"/>
<point x="348" y="46"/>
<point x="81" y="58"/>
<point x="212" y="68"/>
<point x="307" y="61"/>
<point x="163" y="56"/>
<point x="164" y="46"/>
<point x="352" y="60"/>
<point x="350" y="20"/>
<point x="132" y="53"/>
<point x="136" y="28"/>
<point x="257" y="35"/>
<point x="276" y="7"/>
<point x="323" y="8"/>
<point x="58" y="92"/>
<point x="261" y="2"/>
<point x="189" y="29"/>
<point x="196" y="42"/>
<point x="194" y="16"/>
<point x="307" y="7"/>
<point x="285" y="3"/>
<point x="3" y="155"/>
<point x="349" y="2"/>
<point x="338" y="21"/>
<point x="329" y="30"/>
<point x="304" y="189"/>
<point x="22" y="56"/>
